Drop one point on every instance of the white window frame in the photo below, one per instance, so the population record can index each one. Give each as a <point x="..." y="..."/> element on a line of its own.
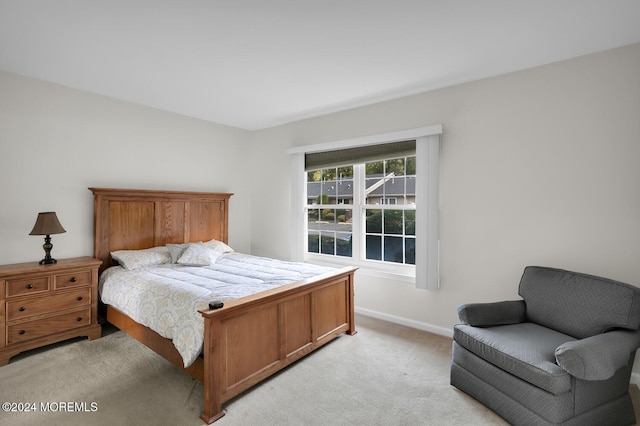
<point x="426" y="270"/>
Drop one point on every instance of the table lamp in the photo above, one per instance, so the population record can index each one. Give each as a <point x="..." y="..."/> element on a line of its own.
<point x="46" y="224"/>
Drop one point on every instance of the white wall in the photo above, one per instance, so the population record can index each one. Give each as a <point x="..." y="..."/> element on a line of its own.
<point x="56" y="142"/>
<point x="538" y="167"/>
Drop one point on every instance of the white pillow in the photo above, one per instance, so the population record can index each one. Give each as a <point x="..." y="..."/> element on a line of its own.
<point x="218" y="246"/>
<point x="197" y="254"/>
<point x="132" y="259"/>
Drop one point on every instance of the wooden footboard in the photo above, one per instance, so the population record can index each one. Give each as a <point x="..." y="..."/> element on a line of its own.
<point x="251" y="338"/>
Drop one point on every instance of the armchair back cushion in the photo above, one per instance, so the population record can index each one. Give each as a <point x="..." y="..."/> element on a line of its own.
<point x="577" y="304"/>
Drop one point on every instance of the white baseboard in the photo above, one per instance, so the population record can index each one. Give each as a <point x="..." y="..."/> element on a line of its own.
<point x="406" y="322"/>
<point x="635" y="377"/>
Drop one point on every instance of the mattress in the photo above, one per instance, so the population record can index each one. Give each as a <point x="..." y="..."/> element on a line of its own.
<point x="167" y="297"/>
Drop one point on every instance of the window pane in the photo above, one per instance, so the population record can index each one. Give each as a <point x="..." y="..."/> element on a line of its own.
<point x="374" y="221"/>
<point x="344" y="191"/>
<point x="393" y="249"/>
<point x="322" y="198"/>
<point x="313" y="217"/>
<point x="345" y="172"/>
<point x="329" y="174"/>
<point x="314" y="176"/>
<point x="393" y="189"/>
<point x="410" y="190"/>
<point x="410" y="251"/>
<point x="375" y="168"/>
<point x="313" y="214"/>
<point x="328" y="215"/>
<point x="374" y="179"/>
<point x="313" y="192"/>
<point x="410" y="183"/>
<point x="395" y="166"/>
<point x="410" y="222"/>
<point x="374" y="247"/>
<point x="411" y="166"/>
<point x="343" y="244"/>
<point x="374" y="190"/>
<point x="343" y="218"/>
<point x="328" y="192"/>
<point x="392" y="181"/>
<point x="328" y="186"/>
<point x="313" y="242"/>
<point x="327" y="244"/>
<point x="393" y="222"/>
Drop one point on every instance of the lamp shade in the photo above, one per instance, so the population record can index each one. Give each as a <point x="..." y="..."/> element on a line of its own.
<point x="47" y="223"/>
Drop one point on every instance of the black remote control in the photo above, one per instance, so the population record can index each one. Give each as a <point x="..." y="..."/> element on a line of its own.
<point x="216" y="304"/>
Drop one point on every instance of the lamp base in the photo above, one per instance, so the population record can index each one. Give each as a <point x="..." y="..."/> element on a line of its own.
<point x="48" y="260"/>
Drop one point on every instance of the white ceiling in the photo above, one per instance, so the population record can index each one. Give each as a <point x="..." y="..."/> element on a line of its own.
<point x="259" y="63"/>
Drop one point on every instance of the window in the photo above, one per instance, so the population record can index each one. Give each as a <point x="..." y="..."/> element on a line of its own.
<point x="389" y="233"/>
<point x="370" y="202"/>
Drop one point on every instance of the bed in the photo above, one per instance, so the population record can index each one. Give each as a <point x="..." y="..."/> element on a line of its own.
<point x="249" y="338"/>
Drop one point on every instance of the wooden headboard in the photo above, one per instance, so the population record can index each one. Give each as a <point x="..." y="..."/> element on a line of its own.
<point x="131" y="219"/>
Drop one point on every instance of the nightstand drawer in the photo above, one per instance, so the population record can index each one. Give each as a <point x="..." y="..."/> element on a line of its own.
<point x="18" y="309"/>
<point x="33" y="329"/>
<point x="27" y="286"/>
<point x="72" y="280"/>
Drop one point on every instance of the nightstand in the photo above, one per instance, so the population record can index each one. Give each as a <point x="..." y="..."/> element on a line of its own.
<point x="44" y="304"/>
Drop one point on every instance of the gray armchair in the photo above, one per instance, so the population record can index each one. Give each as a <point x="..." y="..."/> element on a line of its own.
<point x="561" y="356"/>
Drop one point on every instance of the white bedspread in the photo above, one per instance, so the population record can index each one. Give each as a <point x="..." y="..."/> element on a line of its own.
<point x="166" y="298"/>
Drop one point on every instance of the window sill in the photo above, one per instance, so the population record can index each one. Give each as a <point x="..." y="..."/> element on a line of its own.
<point x="404" y="273"/>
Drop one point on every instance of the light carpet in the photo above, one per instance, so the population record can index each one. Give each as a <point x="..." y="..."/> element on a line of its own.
<point x="386" y="374"/>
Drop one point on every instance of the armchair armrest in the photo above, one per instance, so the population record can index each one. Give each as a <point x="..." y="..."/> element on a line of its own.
<point x="597" y="357"/>
<point x="490" y="314"/>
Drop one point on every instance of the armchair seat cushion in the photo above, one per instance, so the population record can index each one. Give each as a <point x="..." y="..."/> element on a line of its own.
<point x="526" y="350"/>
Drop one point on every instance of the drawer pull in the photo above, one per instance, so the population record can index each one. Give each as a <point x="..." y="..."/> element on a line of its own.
<point x="21" y="332"/>
<point x="21" y="308"/>
<point x="79" y="298"/>
<point x="29" y="286"/>
<point x="73" y="279"/>
<point x="79" y="319"/>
